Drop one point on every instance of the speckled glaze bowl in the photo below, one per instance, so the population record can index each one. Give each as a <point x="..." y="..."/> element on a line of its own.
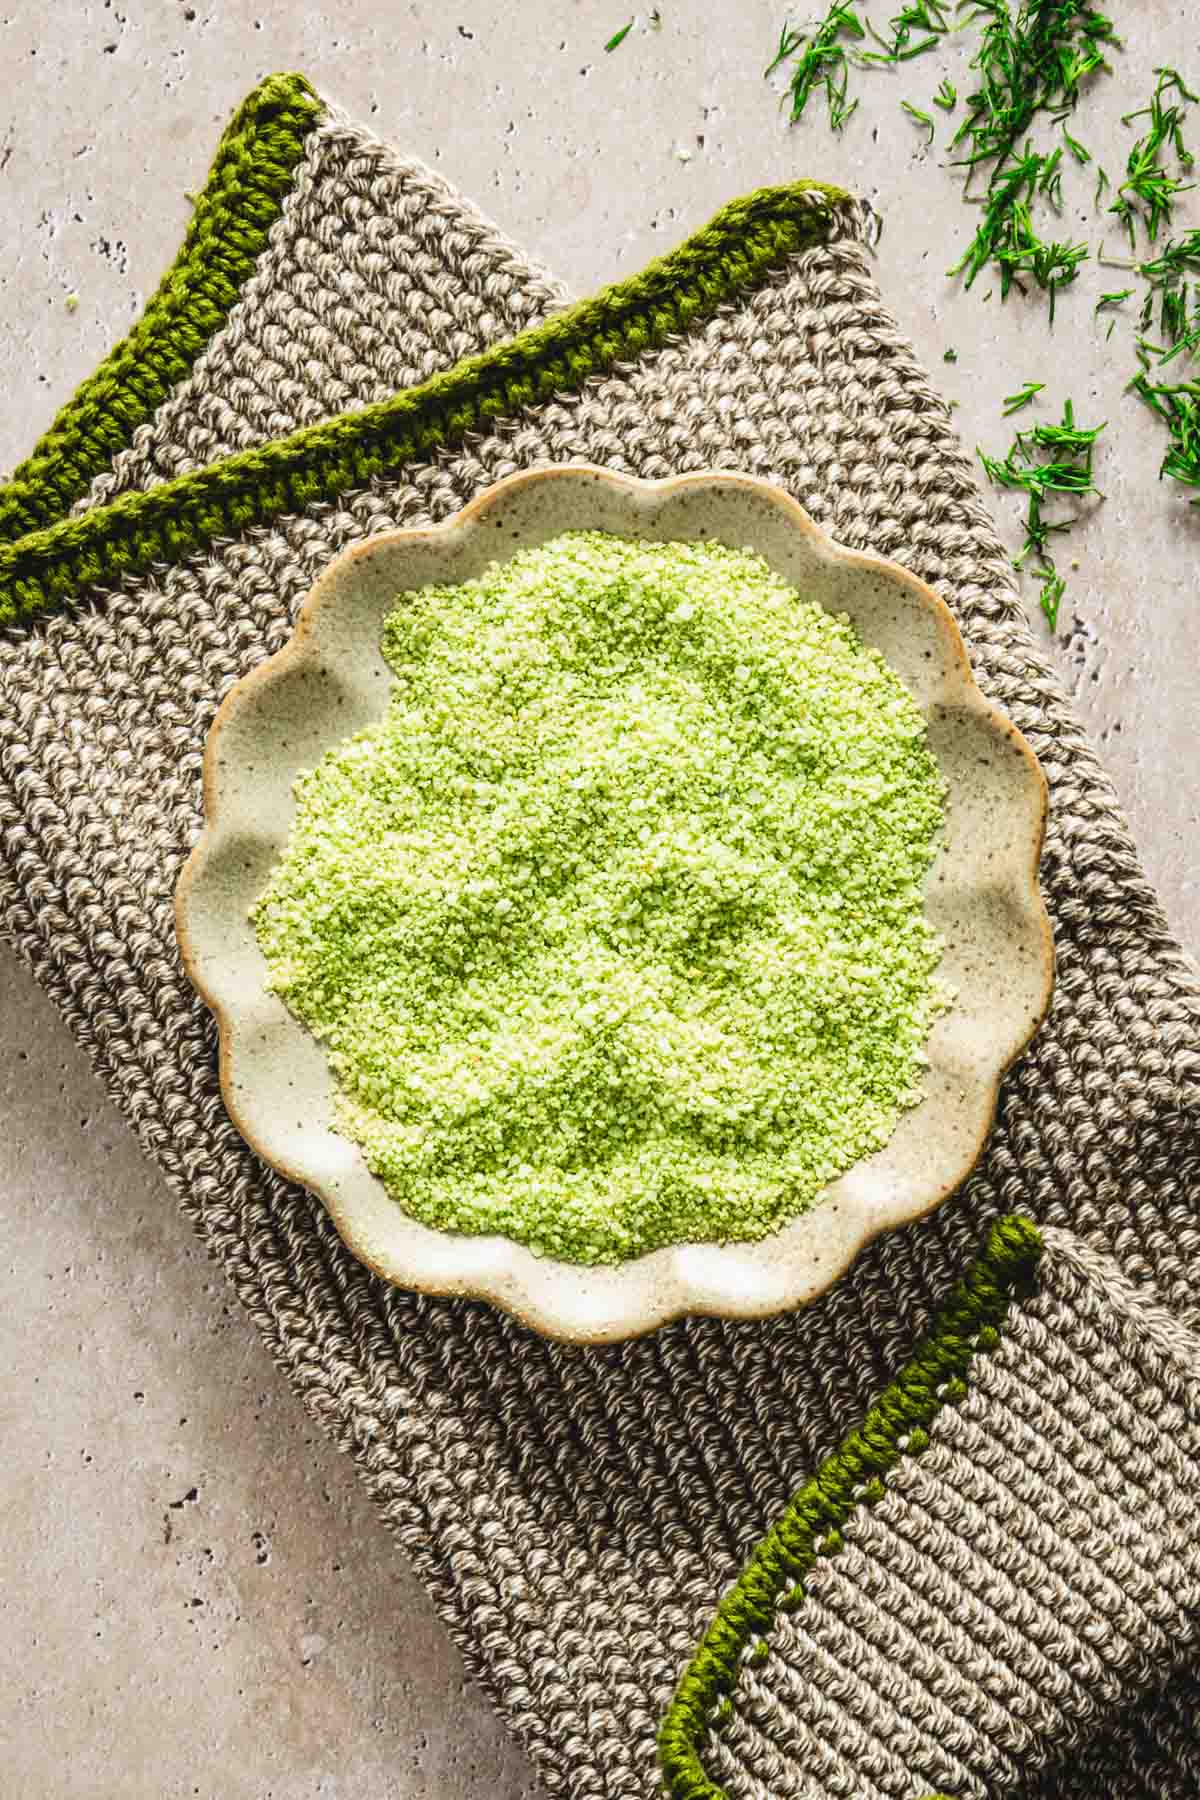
<point x="331" y="680"/>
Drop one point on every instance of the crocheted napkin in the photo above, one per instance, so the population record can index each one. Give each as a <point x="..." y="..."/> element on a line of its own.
<point x="933" y="1532"/>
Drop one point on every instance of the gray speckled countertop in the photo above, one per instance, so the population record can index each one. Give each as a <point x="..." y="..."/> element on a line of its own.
<point x="195" y="1599"/>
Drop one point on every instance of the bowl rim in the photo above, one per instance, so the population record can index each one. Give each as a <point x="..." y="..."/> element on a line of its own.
<point x="535" y="1307"/>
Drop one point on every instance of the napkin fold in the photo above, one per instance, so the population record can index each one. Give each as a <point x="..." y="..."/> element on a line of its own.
<point x="932" y="1533"/>
<point x="1000" y="1554"/>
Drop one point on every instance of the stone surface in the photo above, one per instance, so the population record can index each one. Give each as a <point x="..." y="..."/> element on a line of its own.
<point x="261" y="1639"/>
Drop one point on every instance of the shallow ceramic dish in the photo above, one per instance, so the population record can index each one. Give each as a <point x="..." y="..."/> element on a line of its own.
<point x="331" y="680"/>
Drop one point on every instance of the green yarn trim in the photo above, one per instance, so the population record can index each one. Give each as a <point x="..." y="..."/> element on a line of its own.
<point x="896" y="1426"/>
<point x="240" y="201"/>
<point x="742" y="244"/>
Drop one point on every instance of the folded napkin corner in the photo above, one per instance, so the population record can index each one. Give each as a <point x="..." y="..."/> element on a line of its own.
<point x="1000" y="1555"/>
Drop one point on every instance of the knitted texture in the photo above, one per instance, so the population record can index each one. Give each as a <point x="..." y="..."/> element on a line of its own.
<point x="576" y="1513"/>
<point x="958" y="1598"/>
<point x="254" y="168"/>
<point x="433" y="281"/>
<point x="171" y="519"/>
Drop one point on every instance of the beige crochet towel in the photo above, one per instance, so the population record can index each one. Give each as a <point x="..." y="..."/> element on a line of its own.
<point x="936" y="1531"/>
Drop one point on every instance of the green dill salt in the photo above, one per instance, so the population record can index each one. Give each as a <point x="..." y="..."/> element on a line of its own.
<point x="612" y="926"/>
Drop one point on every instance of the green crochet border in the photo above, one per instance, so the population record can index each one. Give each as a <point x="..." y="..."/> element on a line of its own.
<point x="897" y="1425"/>
<point x="240" y="201"/>
<point x="741" y="245"/>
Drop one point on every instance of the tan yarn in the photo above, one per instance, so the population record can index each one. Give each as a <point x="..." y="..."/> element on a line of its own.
<point x="1024" y="1574"/>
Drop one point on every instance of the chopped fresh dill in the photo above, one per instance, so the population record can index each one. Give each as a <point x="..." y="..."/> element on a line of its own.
<point x="618" y="37"/>
<point x="1033" y="62"/>
<point x="1024" y="397"/>
<point x="1178" y="406"/>
<point x="1033" y="59"/>
<point x="1167" y="122"/>
<point x="1169" y="316"/>
<point x="821" y="62"/>
<point x="928" y="16"/>
<point x="1181" y="330"/>
<point x="1044" y="461"/>
<point x="1049" y="181"/>
<point x="1053" y="588"/>
<point x="1020" y="251"/>
<point x="1176" y="255"/>
<point x="1148" y="192"/>
<point x="1188" y="342"/>
<point x="1072" y="439"/>
<point x="1173" y="311"/>
<point x="1008" y="238"/>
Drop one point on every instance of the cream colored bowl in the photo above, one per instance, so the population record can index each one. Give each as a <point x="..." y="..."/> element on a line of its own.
<point x="331" y="680"/>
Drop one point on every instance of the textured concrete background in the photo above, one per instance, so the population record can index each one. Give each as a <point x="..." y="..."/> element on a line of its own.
<point x="194" y="1597"/>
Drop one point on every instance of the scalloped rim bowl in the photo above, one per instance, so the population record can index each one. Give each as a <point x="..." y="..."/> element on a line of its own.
<point x="982" y="895"/>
